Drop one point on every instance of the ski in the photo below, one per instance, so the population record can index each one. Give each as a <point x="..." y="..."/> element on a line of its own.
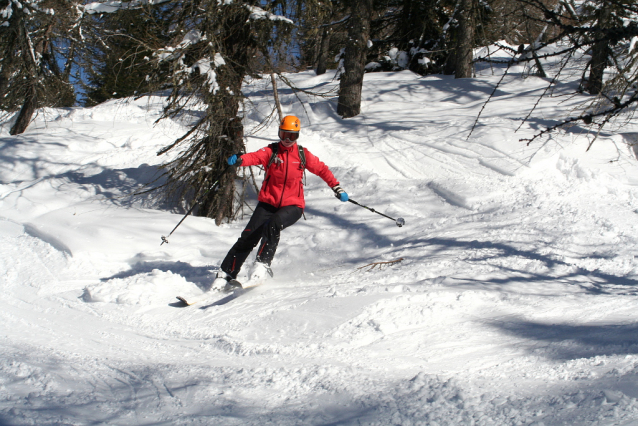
<point x="207" y="296"/>
<point x="193" y="300"/>
<point x="235" y="293"/>
<point x="230" y="297"/>
<point x="226" y="295"/>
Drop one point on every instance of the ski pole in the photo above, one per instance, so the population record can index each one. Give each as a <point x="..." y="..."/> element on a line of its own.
<point x="215" y="182"/>
<point x="399" y="221"/>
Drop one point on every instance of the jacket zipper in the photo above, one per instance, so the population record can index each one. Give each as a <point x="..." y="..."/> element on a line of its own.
<point x="281" y="200"/>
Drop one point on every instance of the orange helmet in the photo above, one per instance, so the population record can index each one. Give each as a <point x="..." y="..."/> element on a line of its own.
<point x="290" y="123"/>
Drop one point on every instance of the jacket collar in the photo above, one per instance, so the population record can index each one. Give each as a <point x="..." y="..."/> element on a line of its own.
<point x="282" y="147"/>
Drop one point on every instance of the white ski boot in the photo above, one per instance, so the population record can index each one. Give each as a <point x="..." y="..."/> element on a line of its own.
<point x="225" y="283"/>
<point x="221" y="281"/>
<point x="260" y="273"/>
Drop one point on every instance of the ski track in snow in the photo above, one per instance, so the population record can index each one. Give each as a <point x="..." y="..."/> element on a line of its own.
<point x="507" y="299"/>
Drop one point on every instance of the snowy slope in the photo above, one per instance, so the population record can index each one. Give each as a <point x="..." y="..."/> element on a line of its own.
<point x="509" y="297"/>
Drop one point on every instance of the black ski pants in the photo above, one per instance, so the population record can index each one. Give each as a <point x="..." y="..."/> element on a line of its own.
<point x="265" y="224"/>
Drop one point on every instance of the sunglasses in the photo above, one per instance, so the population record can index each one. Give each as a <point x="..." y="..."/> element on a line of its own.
<point x="293" y="136"/>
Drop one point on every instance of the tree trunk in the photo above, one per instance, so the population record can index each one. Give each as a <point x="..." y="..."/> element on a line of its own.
<point x="449" y="67"/>
<point x="323" y="51"/>
<point x="465" y="41"/>
<point x="349" y="104"/>
<point x="26" y="112"/>
<point x="540" y="71"/>
<point x="225" y="139"/>
<point x="275" y="92"/>
<point x="30" y="80"/>
<point x="225" y="129"/>
<point x="599" y="56"/>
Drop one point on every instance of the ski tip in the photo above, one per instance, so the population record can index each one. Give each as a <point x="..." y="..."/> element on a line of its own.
<point x="181" y="299"/>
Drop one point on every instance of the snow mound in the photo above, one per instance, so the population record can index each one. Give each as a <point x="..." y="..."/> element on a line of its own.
<point x="146" y="289"/>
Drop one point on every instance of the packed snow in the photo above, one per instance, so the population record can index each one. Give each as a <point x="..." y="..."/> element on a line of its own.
<point x="508" y="298"/>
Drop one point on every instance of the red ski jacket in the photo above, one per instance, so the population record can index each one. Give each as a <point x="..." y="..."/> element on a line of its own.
<point x="283" y="183"/>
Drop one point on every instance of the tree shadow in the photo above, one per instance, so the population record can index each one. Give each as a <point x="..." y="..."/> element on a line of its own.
<point x="207" y="394"/>
<point x="126" y="187"/>
<point x="572" y="341"/>
<point x="340" y="221"/>
<point x="123" y="187"/>
<point x="539" y="124"/>
<point x="598" y="282"/>
<point x="461" y="94"/>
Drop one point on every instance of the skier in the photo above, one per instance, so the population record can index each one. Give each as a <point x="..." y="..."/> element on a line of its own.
<point x="281" y="202"/>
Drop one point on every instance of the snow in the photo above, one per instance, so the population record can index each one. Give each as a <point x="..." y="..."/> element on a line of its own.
<point x="257" y="13"/>
<point x="204" y="66"/>
<point x="112" y="6"/>
<point x="509" y="296"/>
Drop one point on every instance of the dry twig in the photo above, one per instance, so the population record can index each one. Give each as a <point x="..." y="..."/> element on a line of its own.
<point x="380" y="264"/>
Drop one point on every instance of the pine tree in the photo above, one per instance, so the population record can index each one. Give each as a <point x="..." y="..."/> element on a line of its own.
<point x="32" y="35"/>
<point x="215" y="46"/>
<point x="466" y="39"/>
<point x="606" y="30"/>
<point x="355" y="56"/>
<point x="119" y="46"/>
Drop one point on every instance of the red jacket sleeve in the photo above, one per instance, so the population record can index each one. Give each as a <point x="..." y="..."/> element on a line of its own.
<point x="317" y="167"/>
<point x="257" y="158"/>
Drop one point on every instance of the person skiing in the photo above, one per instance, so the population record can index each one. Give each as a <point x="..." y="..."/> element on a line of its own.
<point x="281" y="201"/>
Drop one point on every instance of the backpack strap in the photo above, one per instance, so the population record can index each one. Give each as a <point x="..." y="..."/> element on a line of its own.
<point x="302" y="156"/>
<point x="273" y="157"/>
<point x="302" y="160"/>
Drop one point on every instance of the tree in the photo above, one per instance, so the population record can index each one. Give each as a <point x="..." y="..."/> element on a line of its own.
<point x="416" y="31"/>
<point x="464" y="57"/>
<point x="516" y="22"/>
<point x="430" y="36"/>
<point x="117" y="50"/>
<point x="606" y="16"/>
<point x="606" y="29"/>
<point x="355" y="56"/>
<point x="465" y="28"/>
<point x="215" y="46"/>
<point x="319" y="32"/>
<point x="32" y="32"/>
<point x="324" y="49"/>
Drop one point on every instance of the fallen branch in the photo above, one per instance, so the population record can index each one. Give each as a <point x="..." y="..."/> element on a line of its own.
<point x="380" y="264"/>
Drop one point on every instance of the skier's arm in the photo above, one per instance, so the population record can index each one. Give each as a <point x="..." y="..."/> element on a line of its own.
<point x="260" y="157"/>
<point x="317" y="167"/>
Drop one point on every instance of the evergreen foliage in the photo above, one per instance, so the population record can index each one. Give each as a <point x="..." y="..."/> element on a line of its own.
<point x="34" y="41"/>
<point x="608" y="31"/>
<point x="214" y="46"/>
<point x="118" y="57"/>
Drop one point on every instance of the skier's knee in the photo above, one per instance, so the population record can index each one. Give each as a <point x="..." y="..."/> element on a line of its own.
<point x="275" y="225"/>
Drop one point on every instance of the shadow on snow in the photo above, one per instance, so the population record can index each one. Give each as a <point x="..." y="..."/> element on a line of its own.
<point x="573" y="341"/>
<point x="592" y="282"/>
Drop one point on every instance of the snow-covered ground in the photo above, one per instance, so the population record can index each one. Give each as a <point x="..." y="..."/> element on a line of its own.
<point x="509" y="297"/>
